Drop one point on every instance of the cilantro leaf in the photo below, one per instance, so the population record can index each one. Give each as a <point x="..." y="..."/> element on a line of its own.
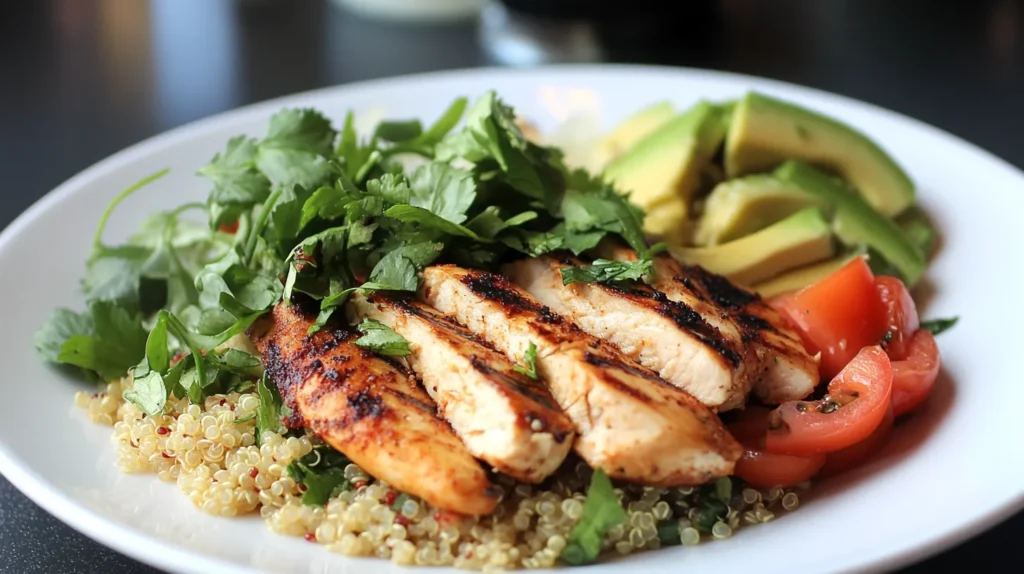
<point x="322" y="471"/>
<point x="601" y="511"/>
<point x="427" y="219"/>
<point x="398" y="130"/>
<point x="392" y="188"/>
<point x="269" y="415"/>
<point x="296" y="148"/>
<point x="286" y="214"/>
<point x="443" y="190"/>
<point x="379" y="338"/>
<point x="530" y="358"/>
<point x="601" y="208"/>
<point x="61" y="326"/>
<point x="444" y="124"/>
<point x="603" y="271"/>
<point x="234" y="176"/>
<point x="240" y="363"/>
<point x="354" y="156"/>
<point x="116" y="342"/>
<point x="936" y="326"/>
<point x="326" y="203"/>
<point x="148" y="393"/>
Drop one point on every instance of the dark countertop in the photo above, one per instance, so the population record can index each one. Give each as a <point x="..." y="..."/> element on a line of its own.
<point x="83" y="79"/>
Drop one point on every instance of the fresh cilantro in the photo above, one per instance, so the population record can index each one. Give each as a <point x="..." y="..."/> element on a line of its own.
<point x="149" y="393"/>
<point x="235" y="178"/>
<point x="601" y="511"/>
<point x="603" y="271"/>
<point x="443" y="190"/>
<point x="379" y="338"/>
<point x="668" y="532"/>
<point x="427" y="219"/>
<point x="530" y="359"/>
<point x="396" y="131"/>
<point x="595" y="206"/>
<point x="296" y="149"/>
<point x="268" y="415"/>
<point x="322" y="471"/>
<point x="936" y="326"/>
<point x="114" y="342"/>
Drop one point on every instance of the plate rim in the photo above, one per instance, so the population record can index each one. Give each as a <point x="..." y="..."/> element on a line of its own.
<point x="174" y="558"/>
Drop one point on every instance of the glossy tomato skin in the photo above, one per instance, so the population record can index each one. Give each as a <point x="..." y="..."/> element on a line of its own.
<point x="838" y="316"/>
<point x="914" y="377"/>
<point x="858" y="398"/>
<point x="764" y="469"/>
<point x="851" y="457"/>
<point x="901" y="316"/>
<point x="229" y="227"/>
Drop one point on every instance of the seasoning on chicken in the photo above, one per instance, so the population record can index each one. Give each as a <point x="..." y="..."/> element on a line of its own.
<point x="789" y="372"/>
<point x="504" y="417"/>
<point x="371" y="410"/>
<point x="629" y="422"/>
<point x="709" y="361"/>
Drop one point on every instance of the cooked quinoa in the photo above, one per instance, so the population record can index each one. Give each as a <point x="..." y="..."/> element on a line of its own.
<point x="210" y="451"/>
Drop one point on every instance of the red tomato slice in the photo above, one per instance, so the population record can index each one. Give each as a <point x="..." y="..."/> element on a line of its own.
<point x="851" y="457"/>
<point x="901" y="316"/>
<point x="856" y="404"/>
<point x="761" y="468"/>
<point x="914" y="377"/>
<point x="838" y="316"/>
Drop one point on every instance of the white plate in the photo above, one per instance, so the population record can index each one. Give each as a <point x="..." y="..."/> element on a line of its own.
<point x="954" y="469"/>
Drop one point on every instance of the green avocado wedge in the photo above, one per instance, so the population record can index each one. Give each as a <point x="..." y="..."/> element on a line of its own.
<point x="855" y="222"/>
<point x="764" y="132"/>
<point x="745" y="205"/>
<point x="800" y="239"/>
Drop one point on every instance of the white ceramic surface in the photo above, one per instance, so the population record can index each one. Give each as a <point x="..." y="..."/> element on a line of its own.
<point x="954" y="469"/>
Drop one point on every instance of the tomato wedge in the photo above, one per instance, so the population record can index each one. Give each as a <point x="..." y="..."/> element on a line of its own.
<point x="857" y="400"/>
<point x="851" y="457"/>
<point x="914" y="377"/>
<point x="764" y="469"/>
<point x="901" y="316"/>
<point x="838" y="316"/>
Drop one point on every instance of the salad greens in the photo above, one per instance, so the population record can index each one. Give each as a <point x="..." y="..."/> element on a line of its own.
<point x="317" y="212"/>
<point x="601" y="511"/>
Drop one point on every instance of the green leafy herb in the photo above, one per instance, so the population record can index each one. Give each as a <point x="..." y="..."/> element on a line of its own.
<point x="398" y="131"/>
<point x="936" y="326"/>
<point x="234" y="175"/>
<point x="530" y="359"/>
<point x="428" y="219"/>
<point x="269" y="414"/>
<point x="603" y="271"/>
<point x="381" y="339"/>
<point x="723" y="489"/>
<point x="668" y="532"/>
<point x="601" y="511"/>
<point x="322" y="471"/>
<point x="115" y="342"/>
<point x="296" y="148"/>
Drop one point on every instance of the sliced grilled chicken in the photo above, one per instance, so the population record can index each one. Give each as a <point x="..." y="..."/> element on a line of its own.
<point x="371" y="410"/>
<point x="504" y="417"/>
<point x="789" y="372"/>
<point x="664" y="335"/>
<point x="629" y="422"/>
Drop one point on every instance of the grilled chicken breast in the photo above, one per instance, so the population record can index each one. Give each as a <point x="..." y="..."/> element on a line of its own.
<point x="371" y="410"/>
<point x="664" y="335"/>
<point x="788" y="373"/>
<point x="504" y="417"/>
<point x="629" y="422"/>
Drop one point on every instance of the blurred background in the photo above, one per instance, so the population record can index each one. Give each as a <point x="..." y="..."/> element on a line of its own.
<point x="81" y="79"/>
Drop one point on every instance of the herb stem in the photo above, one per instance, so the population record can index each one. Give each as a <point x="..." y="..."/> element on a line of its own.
<point x="98" y="238"/>
<point x="261" y="223"/>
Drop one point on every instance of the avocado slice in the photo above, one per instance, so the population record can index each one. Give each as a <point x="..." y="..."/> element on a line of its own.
<point x="744" y="205"/>
<point x="663" y="169"/>
<point x="765" y="131"/>
<point x="802" y="276"/>
<point x="799" y="239"/>
<point x="632" y="130"/>
<point x="854" y="222"/>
